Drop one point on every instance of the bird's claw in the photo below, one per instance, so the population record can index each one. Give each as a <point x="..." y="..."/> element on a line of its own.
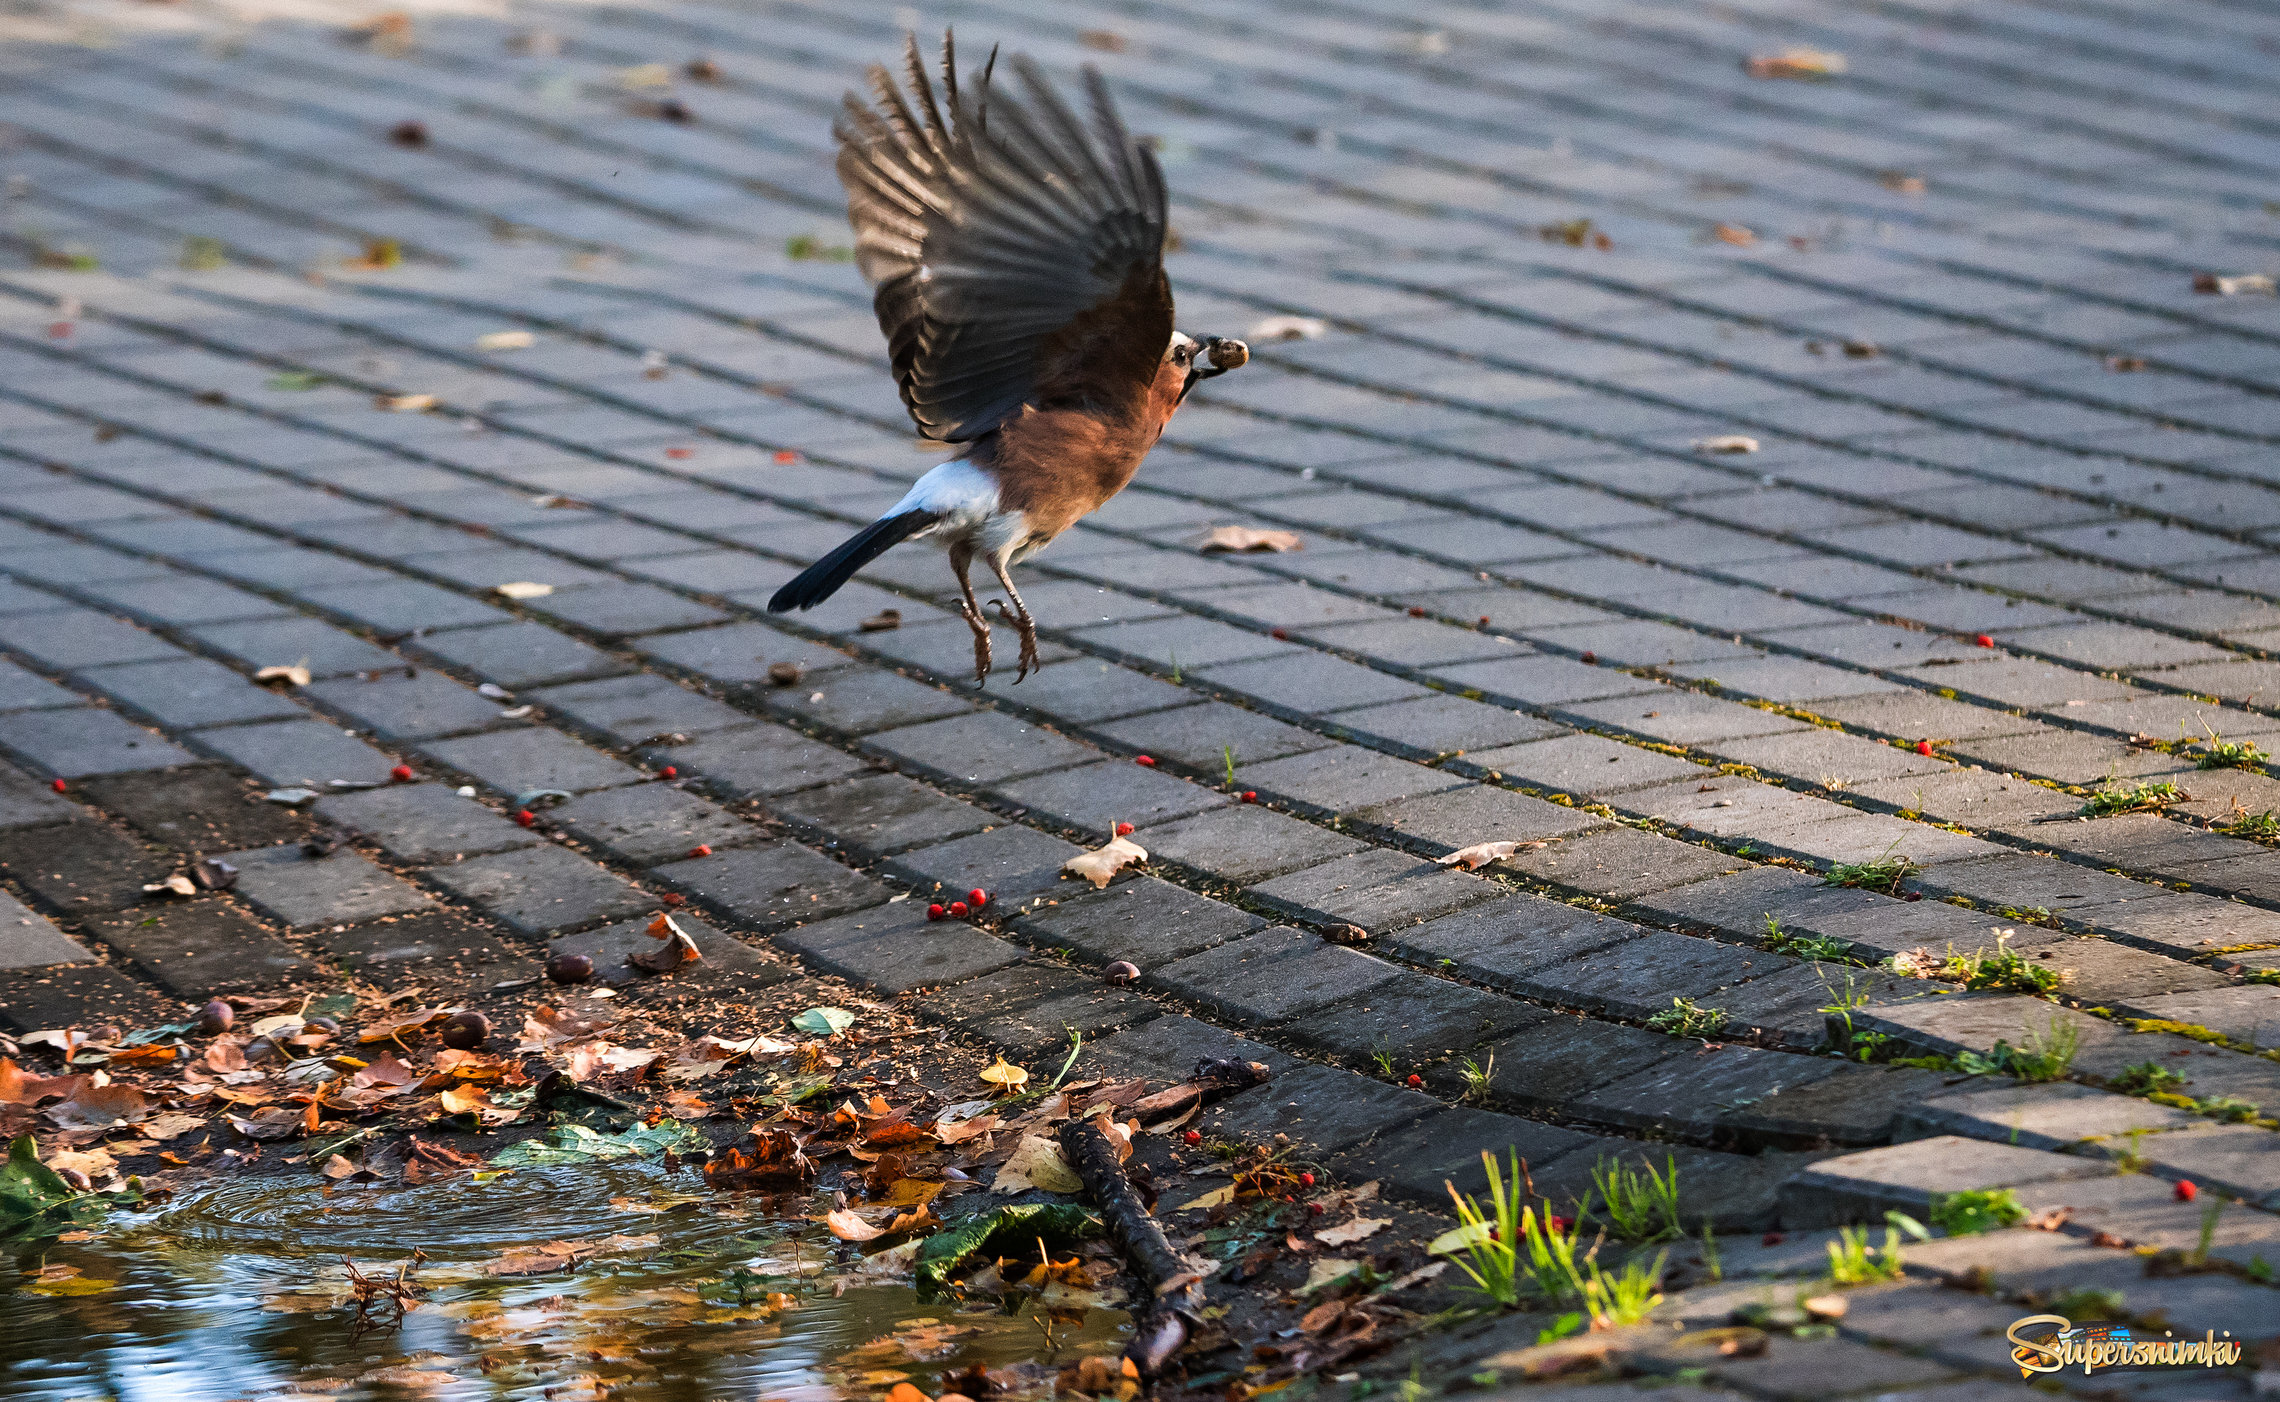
<point x="981" y="627"/>
<point x="1026" y="626"/>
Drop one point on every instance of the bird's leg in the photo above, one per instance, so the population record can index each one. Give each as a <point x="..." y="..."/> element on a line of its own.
<point x="1020" y="619"/>
<point x="960" y="559"/>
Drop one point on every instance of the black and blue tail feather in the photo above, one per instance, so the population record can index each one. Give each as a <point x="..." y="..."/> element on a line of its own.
<point x="822" y="579"/>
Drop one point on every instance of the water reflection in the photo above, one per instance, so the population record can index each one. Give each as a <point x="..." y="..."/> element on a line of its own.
<point x="238" y="1291"/>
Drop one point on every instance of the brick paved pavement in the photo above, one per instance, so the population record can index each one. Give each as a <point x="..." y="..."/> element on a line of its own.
<point x="2005" y="538"/>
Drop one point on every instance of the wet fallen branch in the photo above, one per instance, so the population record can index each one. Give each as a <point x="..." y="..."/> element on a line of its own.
<point x="1174" y="1287"/>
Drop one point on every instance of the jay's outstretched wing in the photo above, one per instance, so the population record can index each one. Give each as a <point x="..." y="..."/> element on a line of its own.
<point x="1018" y="252"/>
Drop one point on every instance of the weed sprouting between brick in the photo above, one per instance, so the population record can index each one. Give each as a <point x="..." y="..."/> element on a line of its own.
<point x="1884" y="874"/>
<point x="2146" y="796"/>
<point x="2042" y="1056"/>
<point x="1640" y="1204"/>
<point x="1852" y="1261"/>
<point x="2251" y="827"/>
<point x="2089" y="1305"/>
<point x="1687" y="1018"/>
<point x="2001" y="969"/>
<point x="1976" y="1211"/>
<point x="1507" y="1242"/>
<point x="2219" y="753"/>
<point x="1820" y="947"/>
<point x="1477" y="1077"/>
<point x="2145" y="1078"/>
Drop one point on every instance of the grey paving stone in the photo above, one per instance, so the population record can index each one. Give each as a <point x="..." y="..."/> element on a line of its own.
<point x="400" y="951"/>
<point x="301" y="892"/>
<point x="516" y="655"/>
<point x="199" y="809"/>
<point x="1334" y="780"/>
<point x="1440" y="823"/>
<point x="69" y="639"/>
<point x="516" y="761"/>
<point x="29" y="940"/>
<point x="980" y="748"/>
<point x="1096" y="797"/>
<point x="725" y="959"/>
<point x="761" y="762"/>
<point x="1544" y="1065"/>
<point x="1692" y="1096"/>
<point x="424" y="823"/>
<point x="1146" y="921"/>
<point x="1863" y="1186"/>
<point x="1309" y="683"/>
<point x="640" y="709"/>
<point x="1015" y="865"/>
<point x="182" y="598"/>
<point x="397" y="708"/>
<point x="1639" y="978"/>
<point x="1271" y="976"/>
<point x="1420" y="1163"/>
<point x="1429" y="727"/>
<point x="1320" y="1107"/>
<point x="622" y="607"/>
<point x="1624" y="863"/>
<point x="770" y="886"/>
<point x="1199" y="737"/>
<point x="1243" y="843"/>
<point x="880" y="815"/>
<point x="299" y="753"/>
<point x="1168" y="1048"/>
<point x="1041" y="1009"/>
<point x="1688" y="719"/>
<point x="646" y="823"/>
<point x="85" y="741"/>
<point x="184" y="693"/>
<point x="198" y="948"/>
<point x="1499" y="940"/>
<point x="1855" y="1105"/>
<point x="1087" y="691"/>
<point x="26" y="691"/>
<point x="1737" y="906"/>
<point x="2246" y="1013"/>
<point x="540" y="890"/>
<point x="1539" y="680"/>
<point x="859" y="700"/>
<point x="1584" y="764"/>
<point x="1415" y="1019"/>
<point x="740" y="654"/>
<point x="1377" y="889"/>
<point x="24" y="803"/>
<point x="895" y="949"/>
<point x="2055" y="1117"/>
<point x="400" y="607"/>
<point x="264" y="642"/>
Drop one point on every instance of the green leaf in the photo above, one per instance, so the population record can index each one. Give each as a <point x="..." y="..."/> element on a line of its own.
<point x="824" y="1022"/>
<point x="946" y="1250"/>
<point x="576" y="1144"/>
<point x="295" y="379"/>
<point x="36" y="1202"/>
<point x="330" y="1005"/>
<point x="796" y="1089"/>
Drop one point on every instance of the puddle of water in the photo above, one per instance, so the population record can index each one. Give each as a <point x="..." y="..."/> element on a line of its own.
<point x="237" y="1291"/>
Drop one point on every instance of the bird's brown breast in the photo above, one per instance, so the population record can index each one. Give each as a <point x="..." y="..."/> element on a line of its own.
<point x="1056" y="466"/>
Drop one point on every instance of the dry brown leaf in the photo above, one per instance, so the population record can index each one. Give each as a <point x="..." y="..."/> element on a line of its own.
<point x="551" y="1256"/>
<point x="523" y="589"/>
<point x="1006" y="1076"/>
<point x="847" y="1226"/>
<point x="679" y="948"/>
<point x="475" y="1100"/>
<point x="293" y="674"/>
<point x="1103" y="863"/>
<point x="1726" y="443"/>
<point x="1734" y="234"/>
<point x="404" y="403"/>
<point x="1795" y="63"/>
<point x="172" y="1124"/>
<point x="1347" y="1233"/>
<point x="1037" y="1163"/>
<point x="1239" y="539"/>
<point x="2243" y="284"/>
<point x="1480" y="854"/>
<point x="403" y="1024"/>
<point x="91" y="1106"/>
<point x="960" y="1131"/>
<point x="505" y="340"/>
<point x="21" y="1087"/>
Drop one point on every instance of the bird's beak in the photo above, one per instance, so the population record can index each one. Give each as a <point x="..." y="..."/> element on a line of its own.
<point x="1224" y="353"/>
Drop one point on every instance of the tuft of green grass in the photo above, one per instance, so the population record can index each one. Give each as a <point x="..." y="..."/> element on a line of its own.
<point x="1710" y="1259"/>
<point x="1687" y="1018"/>
<point x="1619" y="1301"/>
<point x="2252" y="827"/>
<point x="201" y="254"/>
<point x="2041" y="1057"/>
<point x="1819" y="947"/>
<point x="2146" y="796"/>
<point x="296" y="380"/>
<point x="1477" y="1076"/>
<point x="1486" y="1242"/>
<point x="2231" y="1109"/>
<point x="2087" y="1305"/>
<point x="1382" y="1059"/>
<point x="1852" y="1261"/>
<point x="2000" y="970"/>
<point x="2145" y="1078"/>
<point x="1977" y="1210"/>
<point x="1883" y="874"/>
<point x="1227" y="758"/>
<point x="2208" y="1237"/>
<point x="809" y="248"/>
<point x="1640" y="1204"/>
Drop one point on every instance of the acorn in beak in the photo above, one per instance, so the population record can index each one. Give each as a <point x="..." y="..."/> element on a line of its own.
<point x="1225" y="354"/>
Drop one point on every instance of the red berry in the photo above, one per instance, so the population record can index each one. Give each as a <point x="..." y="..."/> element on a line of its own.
<point x="59" y="786"/>
<point x="1558" y="1223"/>
<point x="1484" y="620"/>
<point x="60" y="330"/>
<point x="1250" y="795"/>
<point x="1590" y="659"/>
<point x="702" y="849"/>
<point x="400" y="772"/>
<point x="936" y="911"/>
<point x="1277" y="634"/>
<point x="1148" y="760"/>
<point x="680" y="452"/>
<point x="1195" y="1136"/>
<point x="785" y="457"/>
<point x="1415" y="1079"/>
<point x="670" y="772"/>
<point x="1984" y="641"/>
<point x="1923" y="747"/>
<point x="1416" y="610"/>
<point x="1123" y="829"/>
<point x="2186" y="1192"/>
<point x="958" y="908"/>
<point x="1307" y="1179"/>
<point x="674" y="899"/>
<point x="525" y="817"/>
<point x="1314" y="1209"/>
